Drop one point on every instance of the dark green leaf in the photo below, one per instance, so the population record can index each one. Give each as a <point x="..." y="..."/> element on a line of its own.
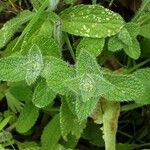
<point x="27" y="118"/>
<point x="51" y="134"/>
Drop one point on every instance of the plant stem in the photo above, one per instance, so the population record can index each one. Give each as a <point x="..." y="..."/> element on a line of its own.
<point x="110" y="124"/>
<point x="69" y="46"/>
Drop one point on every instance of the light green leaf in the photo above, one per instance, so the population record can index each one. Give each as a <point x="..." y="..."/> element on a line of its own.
<point x="34" y="64"/>
<point x="114" y="44"/>
<point x="145" y="30"/>
<point x="27" y="118"/>
<point x="12" y="69"/>
<point x="69" y="123"/>
<point x="126" y="87"/>
<point x="56" y="71"/>
<point x="92" y="45"/>
<point x="12" y="26"/>
<point x="144" y="76"/>
<point x="133" y="50"/>
<point x="88" y="86"/>
<point x="43" y="95"/>
<point x="4" y="122"/>
<point x="125" y="37"/>
<point x="86" y="63"/>
<point x="133" y="29"/>
<point x="91" y="21"/>
<point x="51" y="134"/>
<point x="84" y="109"/>
<point x="70" y="1"/>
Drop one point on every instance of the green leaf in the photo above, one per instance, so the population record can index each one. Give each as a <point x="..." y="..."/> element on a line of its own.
<point x="14" y="104"/>
<point x="93" y="134"/>
<point x="86" y="63"/>
<point x="133" y="50"/>
<point x="92" y="45"/>
<point x="125" y="37"/>
<point x="69" y="123"/>
<point x="91" y="21"/>
<point x="21" y="91"/>
<point x="84" y="109"/>
<point x="114" y="44"/>
<point x="12" y="26"/>
<point x="70" y="1"/>
<point x="4" y="122"/>
<point x="43" y="95"/>
<point x="36" y="4"/>
<point x="34" y="64"/>
<point x="12" y="69"/>
<point x="27" y="118"/>
<point x="51" y="134"/>
<point x="145" y="47"/>
<point x="88" y="86"/>
<point x="126" y="87"/>
<point x="56" y="71"/>
<point x="145" y="30"/>
<point x="144" y="76"/>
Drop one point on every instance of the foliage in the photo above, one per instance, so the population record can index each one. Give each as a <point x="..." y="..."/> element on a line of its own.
<point x="50" y="95"/>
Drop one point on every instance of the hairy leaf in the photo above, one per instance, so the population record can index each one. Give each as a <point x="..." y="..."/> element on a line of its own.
<point x="55" y="72"/>
<point x="133" y="50"/>
<point x="86" y="63"/>
<point x="144" y="76"/>
<point x="126" y="87"/>
<point x="84" y="109"/>
<point x="145" y="30"/>
<point x="69" y="123"/>
<point x="91" y="21"/>
<point x="13" y="68"/>
<point x="34" y="64"/>
<point x="114" y="44"/>
<point x="27" y="118"/>
<point x="51" y="134"/>
<point x="43" y="95"/>
<point x="12" y="26"/>
<point x="92" y="45"/>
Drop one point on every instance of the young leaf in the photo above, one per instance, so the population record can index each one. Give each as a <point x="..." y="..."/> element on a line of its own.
<point x="125" y="37"/>
<point x="84" y="109"/>
<point x="133" y="50"/>
<point x="51" y="134"/>
<point x="12" y="68"/>
<point x="144" y="76"/>
<point x="145" y="30"/>
<point x="69" y="123"/>
<point x="86" y="63"/>
<point x="114" y="44"/>
<point x="27" y="118"/>
<point x="12" y="26"/>
<point x="4" y="122"/>
<point x="34" y="64"/>
<point x="92" y="45"/>
<point x="91" y="21"/>
<point x="56" y="72"/>
<point x="43" y="95"/>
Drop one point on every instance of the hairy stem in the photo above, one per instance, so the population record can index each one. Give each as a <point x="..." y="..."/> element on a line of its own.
<point x="110" y="124"/>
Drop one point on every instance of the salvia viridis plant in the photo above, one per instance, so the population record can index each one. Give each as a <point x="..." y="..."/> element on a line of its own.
<point x="65" y="65"/>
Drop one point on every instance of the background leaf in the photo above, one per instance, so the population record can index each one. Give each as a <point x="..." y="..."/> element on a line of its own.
<point x="51" y="134"/>
<point x="27" y="118"/>
<point x="13" y="25"/>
